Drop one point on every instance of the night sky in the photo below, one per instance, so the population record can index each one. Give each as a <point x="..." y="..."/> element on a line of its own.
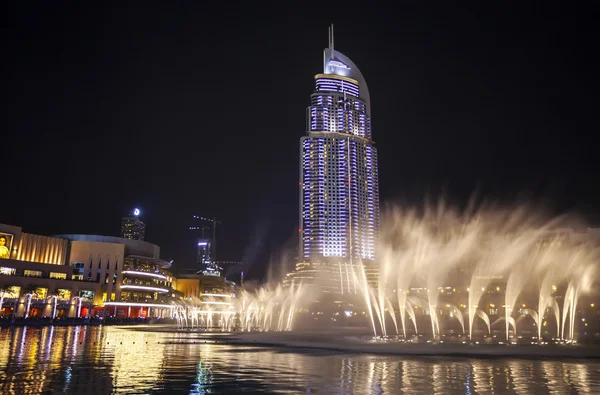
<point x="185" y="109"/>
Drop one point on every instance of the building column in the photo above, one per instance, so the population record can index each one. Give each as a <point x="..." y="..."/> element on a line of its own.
<point x="128" y="311"/>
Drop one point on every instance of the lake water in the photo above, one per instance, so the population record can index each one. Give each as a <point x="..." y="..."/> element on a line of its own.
<point x="110" y="360"/>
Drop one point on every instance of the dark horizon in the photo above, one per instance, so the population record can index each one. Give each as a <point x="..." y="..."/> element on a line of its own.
<point x="185" y="110"/>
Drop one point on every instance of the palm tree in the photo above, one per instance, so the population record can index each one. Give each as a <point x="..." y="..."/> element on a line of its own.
<point x="30" y="289"/>
<point x="57" y="294"/>
<point x="4" y="289"/>
<point x="60" y="292"/>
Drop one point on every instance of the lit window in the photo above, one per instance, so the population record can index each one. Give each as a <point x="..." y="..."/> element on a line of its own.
<point x="41" y="293"/>
<point x="64" y="294"/>
<point x="12" y="292"/>
<point x="7" y="271"/>
<point x="32" y="273"/>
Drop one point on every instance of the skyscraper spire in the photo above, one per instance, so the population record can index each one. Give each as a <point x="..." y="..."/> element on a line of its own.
<point x="331" y="38"/>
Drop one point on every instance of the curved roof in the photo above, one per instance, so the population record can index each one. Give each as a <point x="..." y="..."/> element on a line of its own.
<point x="157" y="261"/>
<point x="335" y="62"/>
<point x="132" y="247"/>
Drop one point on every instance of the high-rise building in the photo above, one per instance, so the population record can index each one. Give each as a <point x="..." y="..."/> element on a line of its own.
<point x="132" y="227"/>
<point x="339" y="188"/>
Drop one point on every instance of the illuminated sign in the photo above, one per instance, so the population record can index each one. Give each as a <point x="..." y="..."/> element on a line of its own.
<point x="136" y="211"/>
<point x="202" y="243"/>
<point x="338" y="64"/>
<point x="86" y="294"/>
<point x="6" y="240"/>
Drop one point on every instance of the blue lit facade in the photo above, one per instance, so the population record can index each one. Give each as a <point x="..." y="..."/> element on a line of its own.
<point x="339" y="189"/>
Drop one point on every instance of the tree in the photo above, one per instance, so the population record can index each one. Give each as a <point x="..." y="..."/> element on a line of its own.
<point x="4" y="289"/>
<point x="30" y="289"/>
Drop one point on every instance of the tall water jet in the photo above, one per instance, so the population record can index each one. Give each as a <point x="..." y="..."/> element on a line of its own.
<point x="378" y="312"/>
<point x="432" y="310"/>
<point x="384" y="271"/>
<point x="402" y="308"/>
<point x="544" y="302"/>
<point x="506" y="238"/>
<point x="511" y="323"/>
<point x="390" y="308"/>
<point x="514" y="286"/>
<point x="534" y="314"/>
<point x="411" y="313"/>
<point x="582" y="274"/>
<point x="361" y="280"/>
<point x="404" y="275"/>
<point x="481" y="314"/>
<point x="567" y="308"/>
<point x="514" y="324"/>
<point x="456" y="313"/>
<point x="556" y="310"/>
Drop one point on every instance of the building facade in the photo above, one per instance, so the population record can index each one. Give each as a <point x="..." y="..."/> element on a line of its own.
<point x="80" y="275"/>
<point x="339" y="187"/>
<point x="134" y="280"/>
<point x="36" y="279"/>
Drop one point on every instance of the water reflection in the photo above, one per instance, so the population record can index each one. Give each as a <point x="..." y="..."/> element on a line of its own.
<point x="94" y="360"/>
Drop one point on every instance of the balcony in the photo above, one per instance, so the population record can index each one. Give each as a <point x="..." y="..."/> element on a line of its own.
<point x="144" y="274"/>
<point x="148" y="286"/>
<point x="135" y="287"/>
<point x="145" y="271"/>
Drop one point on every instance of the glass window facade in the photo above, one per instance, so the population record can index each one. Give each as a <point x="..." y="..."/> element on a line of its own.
<point x="339" y="187"/>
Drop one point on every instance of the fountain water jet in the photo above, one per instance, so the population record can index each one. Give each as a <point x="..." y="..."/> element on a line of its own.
<point x="458" y="315"/>
<point x="514" y="286"/>
<point x="411" y="314"/>
<point x="390" y="308"/>
<point x="365" y="289"/>
<point x="481" y="314"/>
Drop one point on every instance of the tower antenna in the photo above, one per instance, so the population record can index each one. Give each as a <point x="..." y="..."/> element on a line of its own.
<point x="331" y="40"/>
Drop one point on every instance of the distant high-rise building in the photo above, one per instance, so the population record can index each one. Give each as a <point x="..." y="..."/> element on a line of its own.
<point x="208" y="266"/>
<point x="132" y="227"/>
<point x="204" y="249"/>
<point x="339" y="186"/>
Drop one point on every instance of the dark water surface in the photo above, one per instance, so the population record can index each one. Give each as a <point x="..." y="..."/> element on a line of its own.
<point x="109" y="360"/>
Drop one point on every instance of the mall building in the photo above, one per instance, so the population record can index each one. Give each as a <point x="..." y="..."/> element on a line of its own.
<point x="77" y="275"/>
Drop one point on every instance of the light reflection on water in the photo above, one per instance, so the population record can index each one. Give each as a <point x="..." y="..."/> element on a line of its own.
<point x="95" y="360"/>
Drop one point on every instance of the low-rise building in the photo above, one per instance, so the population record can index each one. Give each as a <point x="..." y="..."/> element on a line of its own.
<point x="134" y="280"/>
<point x="76" y="275"/>
<point x="36" y="279"/>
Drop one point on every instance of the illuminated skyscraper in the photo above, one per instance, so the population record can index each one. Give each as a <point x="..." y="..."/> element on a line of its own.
<point x="339" y="189"/>
<point x="132" y="227"/>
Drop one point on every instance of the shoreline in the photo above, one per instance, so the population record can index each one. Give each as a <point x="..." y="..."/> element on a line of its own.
<point x="435" y="350"/>
<point x="42" y="322"/>
<point x="345" y="342"/>
<point x="327" y="341"/>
